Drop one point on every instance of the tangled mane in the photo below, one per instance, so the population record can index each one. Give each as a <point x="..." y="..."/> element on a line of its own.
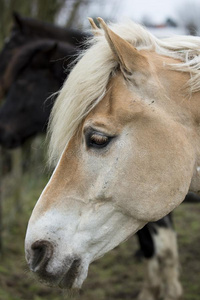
<point x="86" y="84"/>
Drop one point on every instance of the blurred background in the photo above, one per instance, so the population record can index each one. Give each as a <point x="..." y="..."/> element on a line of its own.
<point x="180" y="14"/>
<point x="38" y="41"/>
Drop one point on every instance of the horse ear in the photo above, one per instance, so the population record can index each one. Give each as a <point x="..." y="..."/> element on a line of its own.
<point x="129" y="58"/>
<point x="95" y="29"/>
<point x="18" y="20"/>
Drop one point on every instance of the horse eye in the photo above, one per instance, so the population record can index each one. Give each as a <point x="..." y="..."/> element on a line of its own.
<point x="97" y="140"/>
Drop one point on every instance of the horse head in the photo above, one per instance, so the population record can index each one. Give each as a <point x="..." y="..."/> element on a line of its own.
<point x="27" y="30"/>
<point x="33" y="74"/>
<point x="122" y="136"/>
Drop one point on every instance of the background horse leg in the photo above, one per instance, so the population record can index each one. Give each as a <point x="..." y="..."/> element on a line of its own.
<point x="158" y="243"/>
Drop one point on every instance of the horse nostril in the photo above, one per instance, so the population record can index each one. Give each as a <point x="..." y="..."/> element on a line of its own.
<point x="42" y="252"/>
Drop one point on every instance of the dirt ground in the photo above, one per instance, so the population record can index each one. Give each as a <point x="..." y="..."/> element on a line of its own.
<point x="118" y="275"/>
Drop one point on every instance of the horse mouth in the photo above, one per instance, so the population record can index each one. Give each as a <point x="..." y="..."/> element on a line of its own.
<point x="64" y="280"/>
<point x="70" y="276"/>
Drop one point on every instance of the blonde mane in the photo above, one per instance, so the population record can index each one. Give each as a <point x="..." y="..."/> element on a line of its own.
<point x="86" y="84"/>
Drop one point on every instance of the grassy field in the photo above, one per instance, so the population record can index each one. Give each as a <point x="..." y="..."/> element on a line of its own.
<point x="118" y="275"/>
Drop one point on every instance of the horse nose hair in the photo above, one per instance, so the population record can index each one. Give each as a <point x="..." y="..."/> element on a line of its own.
<point x="41" y="253"/>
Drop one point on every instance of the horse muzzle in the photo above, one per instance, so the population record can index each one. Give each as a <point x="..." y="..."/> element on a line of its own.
<point x="41" y="260"/>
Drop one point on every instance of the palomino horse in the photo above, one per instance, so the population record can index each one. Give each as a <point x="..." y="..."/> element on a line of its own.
<point x="124" y="132"/>
<point x="31" y="69"/>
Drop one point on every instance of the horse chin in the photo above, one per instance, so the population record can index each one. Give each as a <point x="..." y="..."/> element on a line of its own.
<point x="73" y="278"/>
<point x="72" y="283"/>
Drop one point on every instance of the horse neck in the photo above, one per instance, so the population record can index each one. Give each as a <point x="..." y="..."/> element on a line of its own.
<point x="184" y="108"/>
<point x="176" y="91"/>
<point x="194" y="109"/>
<point x="191" y="105"/>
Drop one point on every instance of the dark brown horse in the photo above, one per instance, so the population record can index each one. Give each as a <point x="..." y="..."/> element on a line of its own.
<point x="33" y="65"/>
<point x="27" y="30"/>
<point x="34" y="73"/>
